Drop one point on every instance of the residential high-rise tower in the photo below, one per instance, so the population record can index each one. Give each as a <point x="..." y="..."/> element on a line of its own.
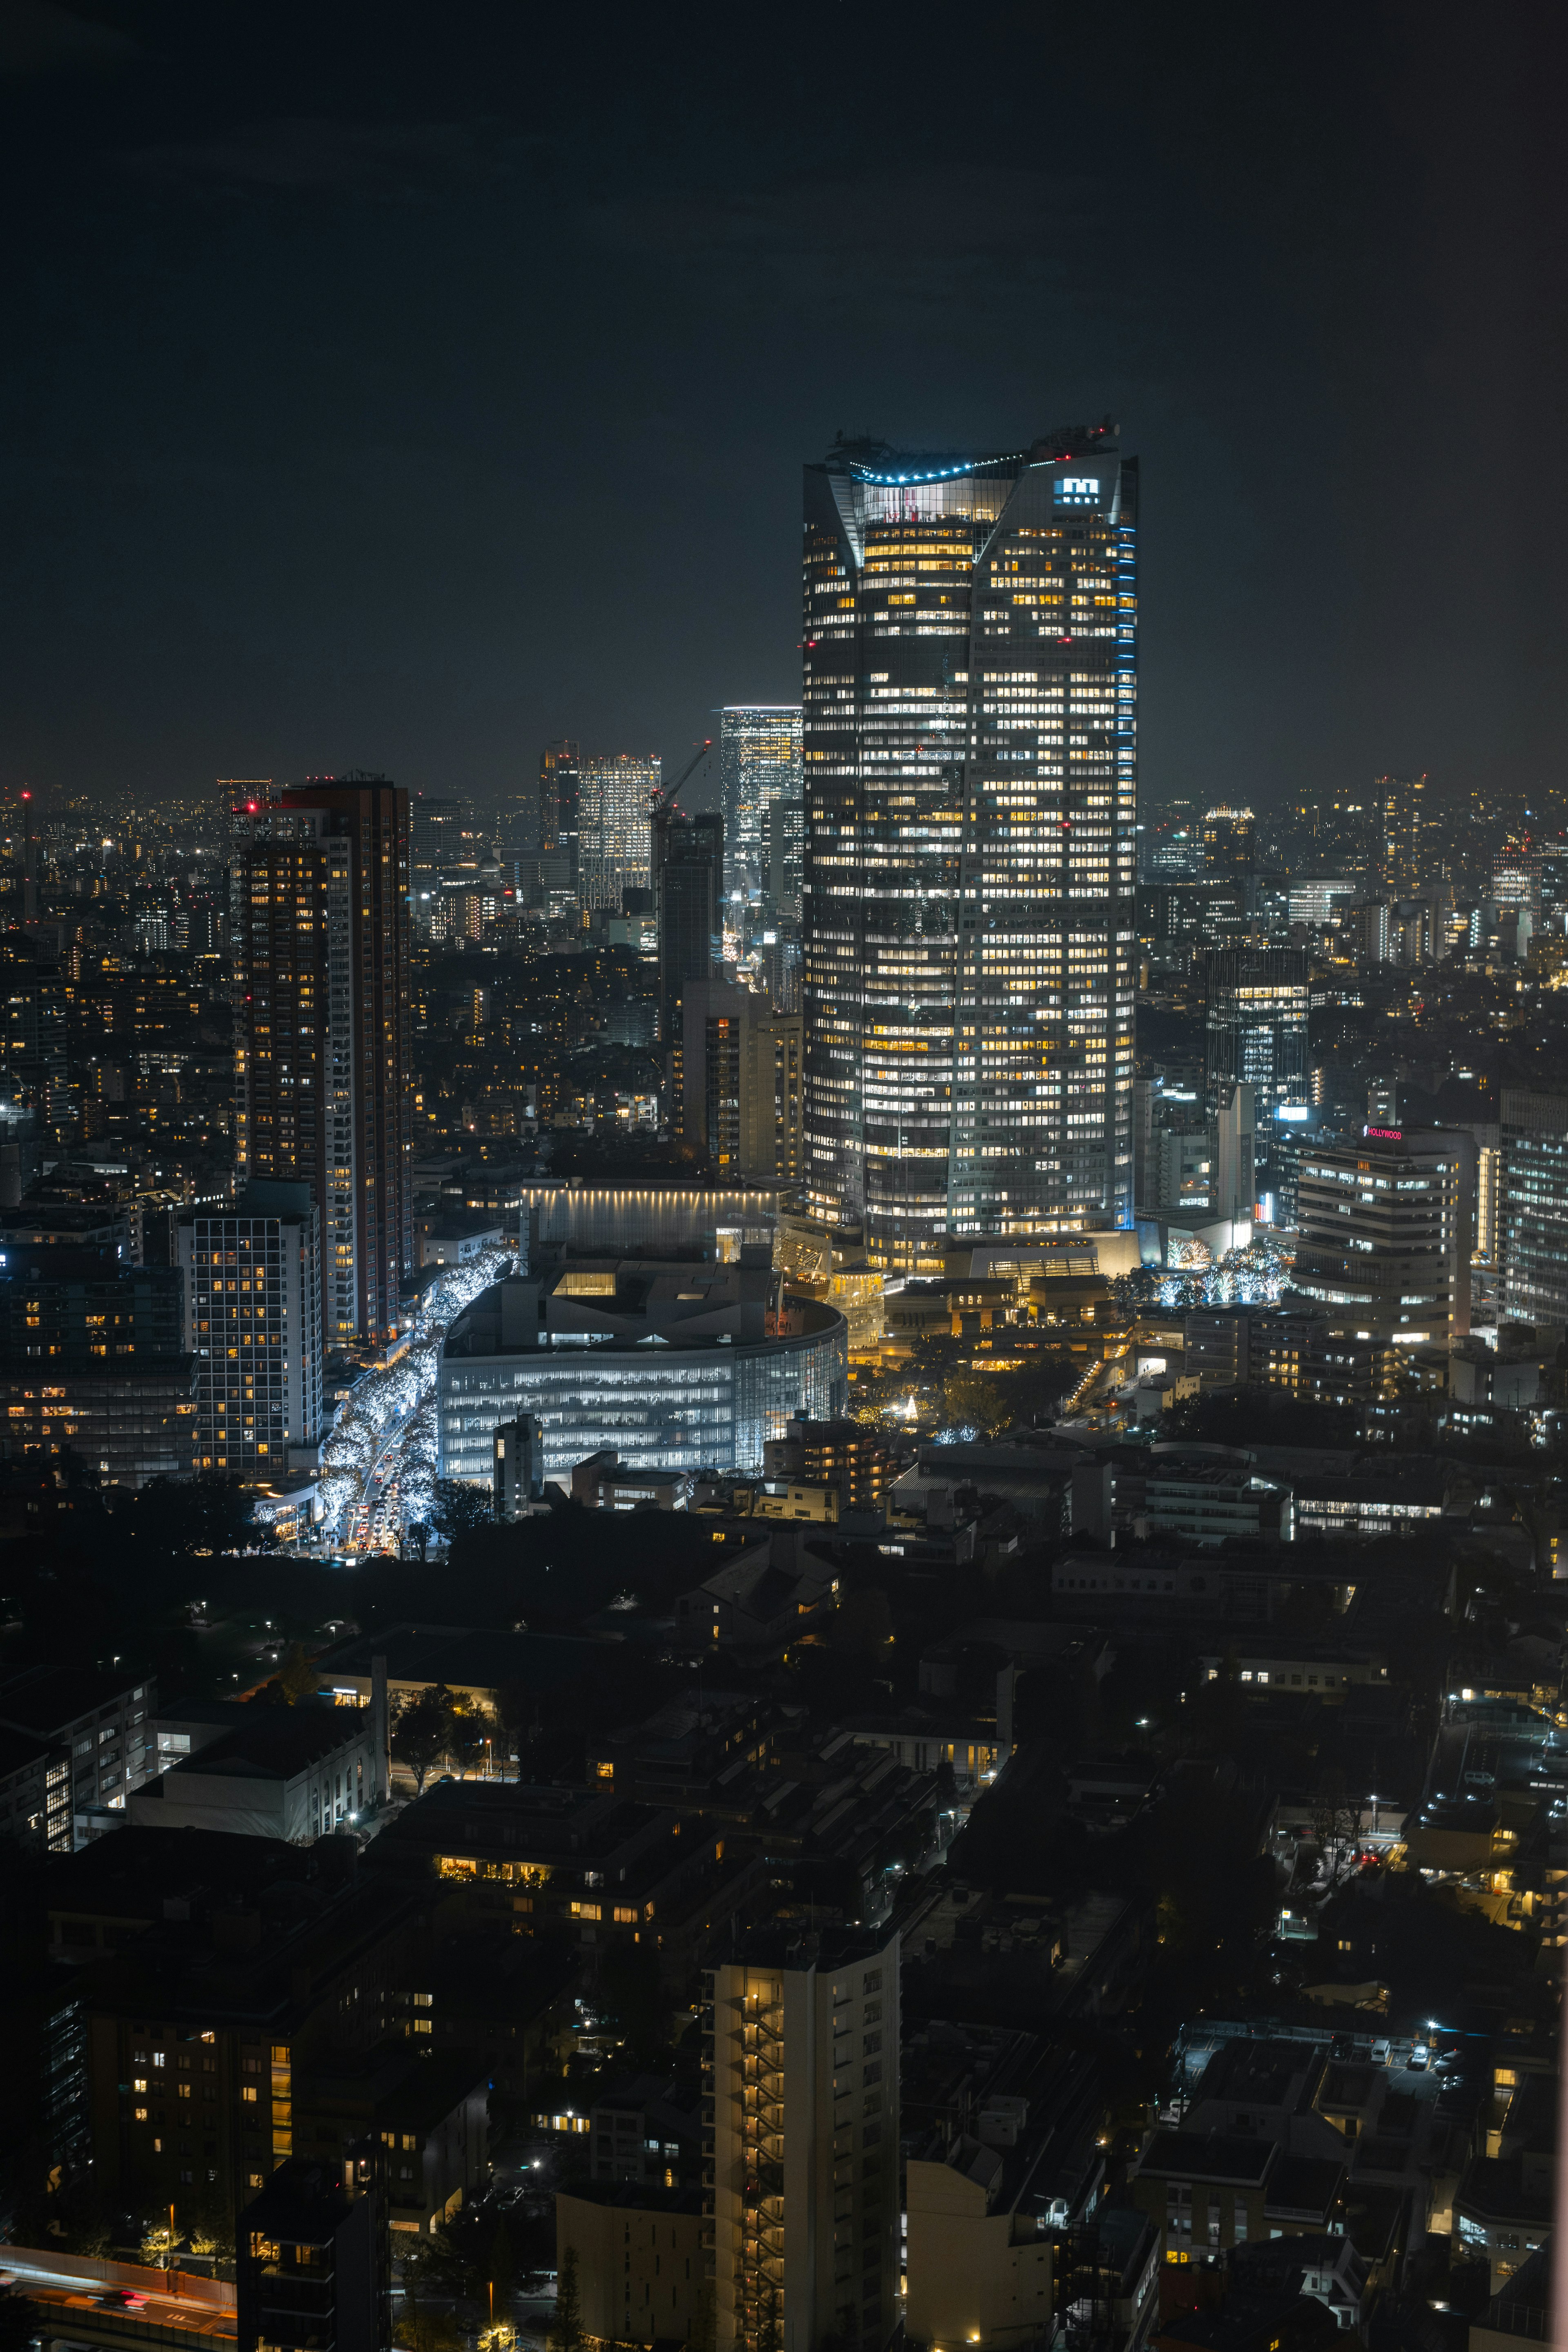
<point x="252" y="1271"/>
<point x="803" y="2050"/>
<point x="970" y="741"/>
<point x="319" y="924"/>
<point x="1401" y="804"/>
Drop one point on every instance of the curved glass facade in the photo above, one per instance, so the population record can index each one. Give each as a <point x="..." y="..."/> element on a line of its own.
<point x="708" y="1402"/>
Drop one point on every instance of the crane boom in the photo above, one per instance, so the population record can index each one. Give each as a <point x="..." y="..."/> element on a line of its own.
<point x="664" y="798"/>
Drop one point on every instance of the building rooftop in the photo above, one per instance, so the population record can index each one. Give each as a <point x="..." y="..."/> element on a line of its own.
<point x="278" y="1744"/>
<point x="137" y="1872"/>
<point x="302" y="2203"/>
<point x="53" y="1699"/>
<point x="463" y="1657"/>
<point x="1210" y="2156"/>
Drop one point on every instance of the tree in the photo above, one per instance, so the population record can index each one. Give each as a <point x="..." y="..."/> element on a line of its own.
<point x="566" y="2329"/>
<point x="188" y="1517"/>
<point x="297" y="1676"/>
<point x="458" y="1508"/>
<point x="422" y="1732"/>
<point x="970" y="1400"/>
<point x="501" y="2265"/>
<point x="419" y="2329"/>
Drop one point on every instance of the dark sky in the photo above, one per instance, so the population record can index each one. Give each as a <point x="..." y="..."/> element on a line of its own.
<point x="400" y="385"/>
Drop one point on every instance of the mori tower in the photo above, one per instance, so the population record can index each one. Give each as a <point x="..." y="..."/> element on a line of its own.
<point x="970" y="756"/>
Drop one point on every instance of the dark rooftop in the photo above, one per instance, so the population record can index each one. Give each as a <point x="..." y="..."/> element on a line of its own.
<point x="52" y="1699"/>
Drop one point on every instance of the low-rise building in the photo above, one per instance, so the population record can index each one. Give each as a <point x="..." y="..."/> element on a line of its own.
<point x="292" y="1772"/>
<point x="644" y="2129"/>
<point x="1208" y="2192"/>
<point x="103" y="1896"/>
<point x="1006" y="2162"/>
<point x="1504" y="2212"/>
<point x="753" y="1607"/>
<point x="1193" y="1502"/>
<point x="600" y="1484"/>
<point x="641" y="2265"/>
<point x="34" y="1775"/>
<point x="556" y="1859"/>
<point x="102" y="1721"/>
<point x="852" y="1455"/>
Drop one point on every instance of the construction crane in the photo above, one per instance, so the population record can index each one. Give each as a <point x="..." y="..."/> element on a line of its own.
<point x="663" y="799"/>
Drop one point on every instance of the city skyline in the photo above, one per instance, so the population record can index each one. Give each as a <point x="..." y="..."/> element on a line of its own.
<point x="175" y="473"/>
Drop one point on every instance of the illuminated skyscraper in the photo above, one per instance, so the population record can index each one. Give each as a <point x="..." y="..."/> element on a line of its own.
<point x="1401" y="804"/>
<point x="613" y="802"/>
<point x="558" y="803"/>
<point x="760" y="761"/>
<point x="971" y="800"/>
<point x="319" y="924"/>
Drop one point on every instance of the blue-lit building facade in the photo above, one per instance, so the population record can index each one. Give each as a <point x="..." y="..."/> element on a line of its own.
<point x="970" y="754"/>
<point x="677" y="1367"/>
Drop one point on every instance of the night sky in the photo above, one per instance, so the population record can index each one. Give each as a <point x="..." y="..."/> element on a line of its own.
<point x="399" y="386"/>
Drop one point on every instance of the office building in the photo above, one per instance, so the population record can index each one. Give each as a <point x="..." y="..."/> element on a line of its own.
<point x="1319" y="899"/>
<point x="688" y="855"/>
<point x="783" y="845"/>
<point x="615" y="797"/>
<point x="1255" y="1028"/>
<point x="803" y="2049"/>
<point x="1386" y="1225"/>
<point x="1531" y="1216"/>
<point x="559" y="801"/>
<point x="308" y="2261"/>
<point x="438" y="838"/>
<point x="252" y="1272"/>
<point x="970" y="663"/>
<point x="1516" y="875"/>
<point x="1401" y="806"/>
<point x="93" y="1366"/>
<point x="737" y="1094"/>
<point x="759" y="764"/>
<point x="319" y="882"/>
<point x="676" y="1364"/>
<point x="1229" y="840"/>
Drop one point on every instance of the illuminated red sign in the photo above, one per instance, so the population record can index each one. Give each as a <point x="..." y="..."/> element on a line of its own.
<point x="1387" y="1134"/>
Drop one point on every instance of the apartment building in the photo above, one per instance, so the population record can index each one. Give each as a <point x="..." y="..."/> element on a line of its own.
<point x="802" y="2057"/>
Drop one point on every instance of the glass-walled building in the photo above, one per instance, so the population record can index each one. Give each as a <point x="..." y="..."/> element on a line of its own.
<point x="969" y="740"/>
<point x="759" y="762"/>
<point x="614" y="800"/>
<point x="676" y="1365"/>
